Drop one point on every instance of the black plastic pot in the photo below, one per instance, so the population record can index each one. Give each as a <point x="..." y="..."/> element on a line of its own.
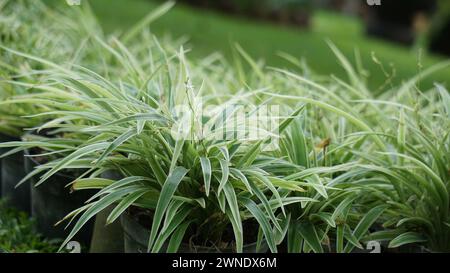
<point x="136" y="239"/>
<point x="12" y="171"/>
<point x="52" y="200"/>
<point x="3" y="138"/>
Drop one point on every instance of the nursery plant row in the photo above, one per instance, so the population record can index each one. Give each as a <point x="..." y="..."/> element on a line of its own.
<point x="123" y="139"/>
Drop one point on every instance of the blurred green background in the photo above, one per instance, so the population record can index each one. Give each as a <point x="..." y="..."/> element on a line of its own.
<point x="210" y="30"/>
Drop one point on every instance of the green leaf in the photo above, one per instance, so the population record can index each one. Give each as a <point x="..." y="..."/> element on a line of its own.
<point x="316" y="183"/>
<point x="284" y="184"/>
<point x="250" y="155"/>
<point x="351" y="238"/>
<point x="171" y="226"/>
<point x="445" y="98"/>
<point x="237" y="230"/>
<point x="309" y="234"/>
<point x="340" y="238"/>
<point x="157" y="169"/>
<point x="92" y="94"/>
<point x="415" y="221"/>
<point x="96" y="208"/>
<point x="171" y="212"/>
<point x="206" y="167"/>
<point x="167" y="192"/>
<point x="263" y="179"/>
<point x="177" y="238"/>
<point x="343" y="207"/>
<point x="358" y="123"/>
<point x="116" y="143"/>
<point x="294" y="239"/>
<point x="140" y="126"/>
<point x="239" y="175"/>
<point x="299" y="148"/>
<point x="285" y="123"/>
<point x="91" y="183"/>
<point x="176" y="153"/>
<point x="225" y="174"/>
<point x="146" y="117"/>
<point x="222" y="202"/>
<point x="382" y="235"/>
<point x="326" y="217"/>
<point x="342" y="212"/>
<point x="117" y="184"/>
<point x="365" y="223"/>
<point x="124" y="204"/>
<point x="401" y="135"/>
<point x="265" y="203"/>
<point x="234" y="209"/>
<point x="259" y="239"/>
<point x="72" y="157"/>
<point x="407" y="238"/>
<point x="263" y="222"/>
<point x="280" y="235"/>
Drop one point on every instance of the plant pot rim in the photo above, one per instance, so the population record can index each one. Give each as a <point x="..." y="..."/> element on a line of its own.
<point x="31" y="158"/>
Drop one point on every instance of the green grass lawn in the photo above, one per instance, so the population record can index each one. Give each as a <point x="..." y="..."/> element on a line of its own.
<point x="209" y="31"/>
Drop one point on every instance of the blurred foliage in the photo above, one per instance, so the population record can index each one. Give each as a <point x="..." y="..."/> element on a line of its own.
<point x="18" y="234"/>
<point x="253" y="6"/>
<point x="210" y="32"/>
<point x="273" y="4"/>
<point x="441" y="18"/>
<point x="287" y="3"/>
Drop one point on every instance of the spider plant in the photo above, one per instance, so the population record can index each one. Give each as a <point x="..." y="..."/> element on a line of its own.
<point x="416" y="184"/>
<point x="185" y="182"/>
<point x="32" y="28"/>
<point x="343" y="165"/>
<point x="404" y="160"/>
<point x="358" y="122"/>
<point x="336" y="219"/>
<point x="66" y="36"/>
